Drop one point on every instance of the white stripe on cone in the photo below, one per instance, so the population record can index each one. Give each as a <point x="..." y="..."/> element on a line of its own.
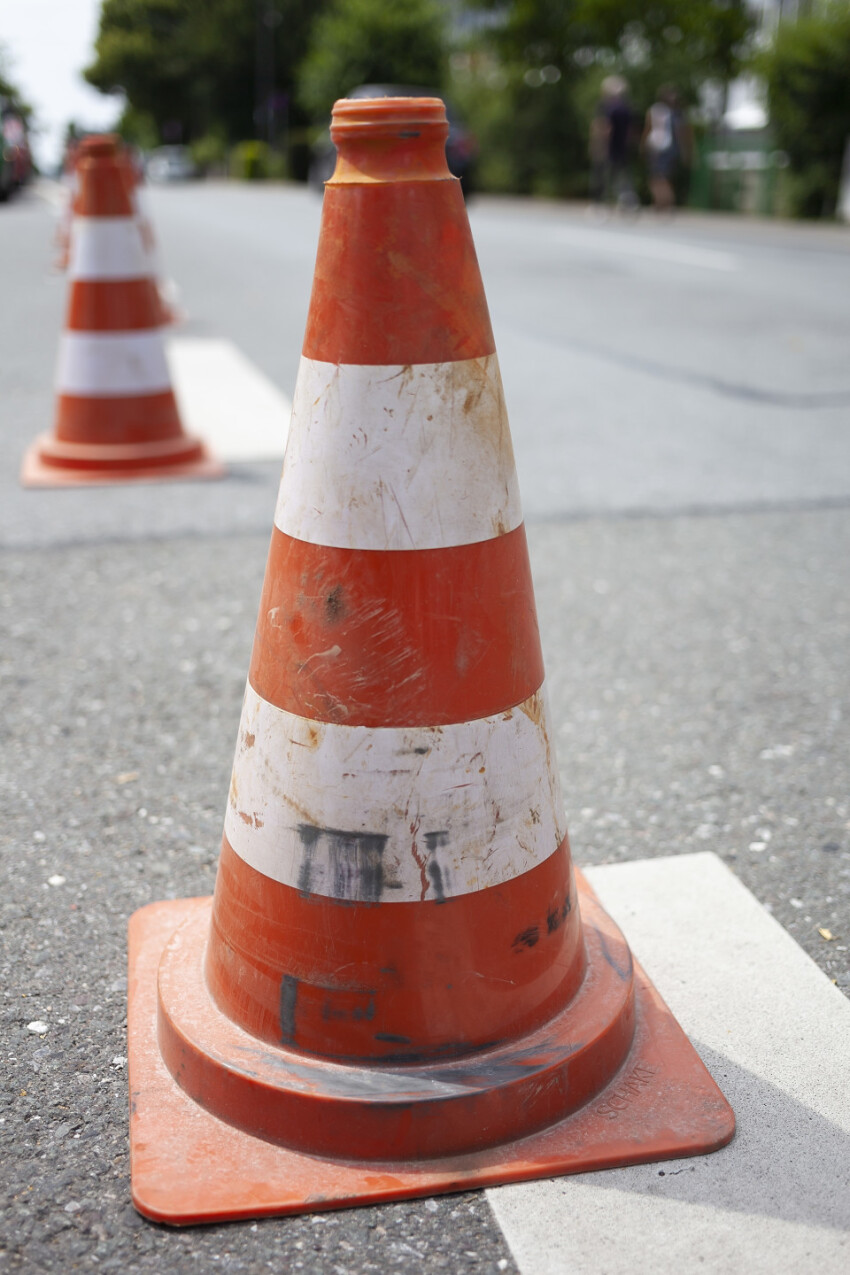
<point x="112" y="363"/>
<point x="107" y="248"/>
<point x="393" y="814"/>
<point x="415" y="457"/>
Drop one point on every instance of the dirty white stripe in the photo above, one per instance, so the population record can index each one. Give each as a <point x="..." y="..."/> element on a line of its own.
<point x="415" y="457"/>
<point x="110" y="363"/>
<point x="104" y="248"/>
<point x="394" y="814"/>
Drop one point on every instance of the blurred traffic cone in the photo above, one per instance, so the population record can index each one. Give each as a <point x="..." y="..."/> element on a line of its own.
<point x="394" y="982"/>
<point x="166" y="290"/>
<point x="116" y="417"/>
<point x="66" y="212"/>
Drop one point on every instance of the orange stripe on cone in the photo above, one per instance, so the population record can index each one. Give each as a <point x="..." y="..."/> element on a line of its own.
<point x="104" y="192"/>
<point x="119" y="422"/>
<point x="399" y="298"/>
<point x="116" y="416"/>
<point x="422" y="980"/>
<point x="396" y="965"/>
<point x="96" y="306"/>
<point x="334" y="623"/>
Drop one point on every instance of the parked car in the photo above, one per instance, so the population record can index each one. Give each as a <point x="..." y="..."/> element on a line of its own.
<point x="15" y="157"/>
<point x="170" y="164"/>
<point x="7" y="177"/>
<point x="461" y="146"/>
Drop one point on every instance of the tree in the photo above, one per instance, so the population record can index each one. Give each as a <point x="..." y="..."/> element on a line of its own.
<point x="808" y="84"/>
<point x="142" y="51"/>
<point x="372" y="42"/>
<point x="192" y="67"/>
<point x="551" y="55"/>
<point x="518" y="86"/>
<point x="685" y="42"/>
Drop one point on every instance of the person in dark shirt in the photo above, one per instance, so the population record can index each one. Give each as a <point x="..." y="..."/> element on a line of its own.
<point x="611" y="145"/>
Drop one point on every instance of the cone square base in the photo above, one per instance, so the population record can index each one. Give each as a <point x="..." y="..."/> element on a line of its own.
<point x="189" y="1167"/>
<point x="35" y="473"/>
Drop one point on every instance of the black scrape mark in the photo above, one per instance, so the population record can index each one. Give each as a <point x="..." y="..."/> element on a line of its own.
<point x="355" y="862"/>
<point x="436" y="875"/>
<point x="427" y="1058"/>
<point x="526" y="938"/>
<point x="433" y="842"/>
<point x="340" y="1006"/>
<point x="507" y="1067"/>
<point x="624" y="973"/>
<point x="334" y="605"/>
<point x="556" y="918"/>
<point x="288" y="997"/>
<point x="391" y="1039"/>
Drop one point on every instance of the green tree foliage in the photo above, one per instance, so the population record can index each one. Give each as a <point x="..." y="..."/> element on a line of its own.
<point x="808" y="80"/>
<point x="191" y="66"/>
<point x="683" y="42"/>
<point x="372" y="42"/>
<point x="143" y="49"/>
<point x="543" y="136"/>
<point x="532" y="103"/>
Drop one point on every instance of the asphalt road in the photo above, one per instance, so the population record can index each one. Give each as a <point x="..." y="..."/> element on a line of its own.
<point x="680" y="403"/>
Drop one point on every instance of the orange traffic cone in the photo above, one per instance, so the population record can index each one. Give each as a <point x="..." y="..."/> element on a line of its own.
<point x="116" y="416"/>
<point x="168" y="309"/>
<point x="66" y="213"/>
<point x="397" y="989"/>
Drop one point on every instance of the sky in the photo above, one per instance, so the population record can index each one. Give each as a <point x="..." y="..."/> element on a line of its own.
<point x="47" y="44"/>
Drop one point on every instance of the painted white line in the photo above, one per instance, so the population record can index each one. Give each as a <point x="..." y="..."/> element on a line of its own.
<point x="227" y="400"/>
<point x="107" y="248"/>
<point x="636" y="245"/>
<point x="775" y="1034"/>
<point x="393" y="814"/>
<point x="415" y="457"/>
<point x="95" y="364"/>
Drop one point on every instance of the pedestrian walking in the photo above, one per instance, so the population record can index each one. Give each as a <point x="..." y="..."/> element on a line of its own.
<point x="611" y="146"/>
<point x="666" y="145"/>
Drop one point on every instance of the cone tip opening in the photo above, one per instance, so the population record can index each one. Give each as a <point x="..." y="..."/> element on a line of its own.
<point x="101" y="146"/>
<point x="385" y="116"/>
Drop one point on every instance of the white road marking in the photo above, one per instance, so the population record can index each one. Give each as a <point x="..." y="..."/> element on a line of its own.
<point x="775" y="1034"/>
<point x="225" y="399"/>
<point x="393" y="814"/>
<point x="651" y="244"/>
<point x="636" y="245"/>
